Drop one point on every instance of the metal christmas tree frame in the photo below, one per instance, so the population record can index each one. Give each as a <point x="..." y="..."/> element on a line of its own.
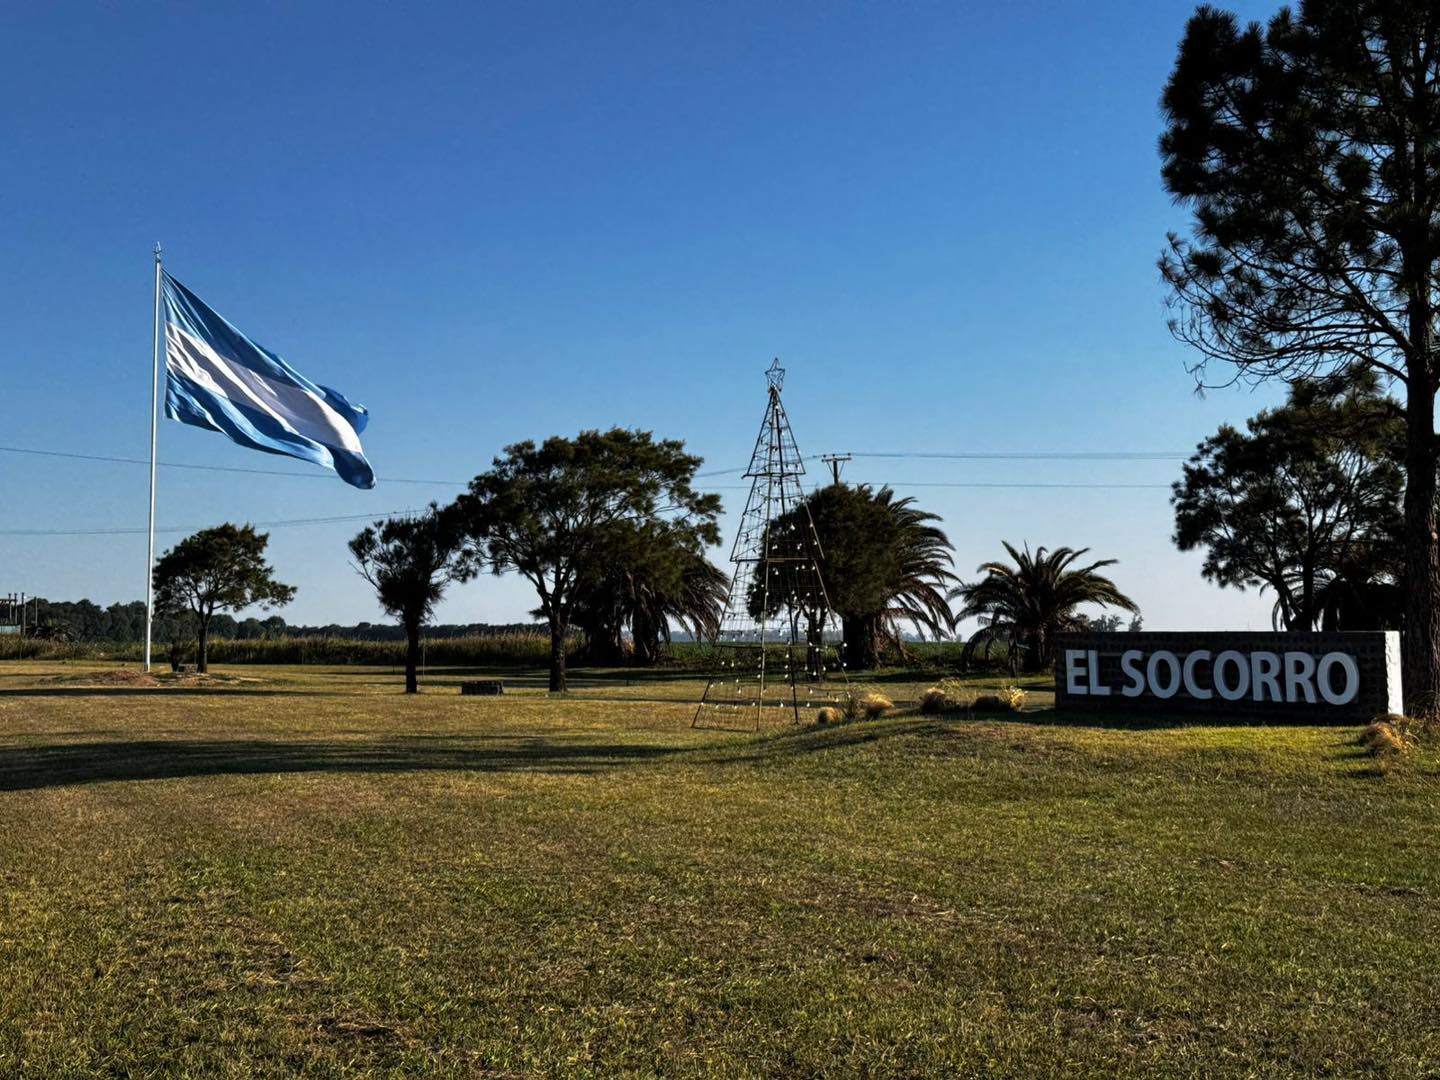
<point x="771" y="656"/>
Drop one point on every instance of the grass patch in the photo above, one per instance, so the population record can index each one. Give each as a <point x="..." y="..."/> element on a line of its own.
<point x="312" y="874"/>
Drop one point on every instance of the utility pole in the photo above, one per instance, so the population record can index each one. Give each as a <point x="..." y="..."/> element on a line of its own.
<point x="835" y="461"/>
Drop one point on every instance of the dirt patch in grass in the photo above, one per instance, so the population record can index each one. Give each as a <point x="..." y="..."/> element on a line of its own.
<point x="143" y="680"/>
<point x="100" y="679"/>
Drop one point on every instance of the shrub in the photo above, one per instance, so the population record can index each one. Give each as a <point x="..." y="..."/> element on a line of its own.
<point x="934" y="701"/>
<point x="828" y="714"/>
<point x="875" y="705"/>
<point x="850" y="706"/>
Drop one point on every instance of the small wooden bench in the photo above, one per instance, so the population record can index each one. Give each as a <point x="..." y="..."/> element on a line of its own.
<point x="486" y="687"/>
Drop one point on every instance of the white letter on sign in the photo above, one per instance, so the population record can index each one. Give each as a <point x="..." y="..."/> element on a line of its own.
<point x="1194" y="689"/>
<point x="1073" y="657"/>
<point x="1241" y="686"/>
<point x="1300" y="677"/>
<point x="1264" y="667"/>
<point x="1130" y="665"/>
<point x="1096" y="686"/>
<point x="1352" y="678"/>
<point x="1152" y="671"/>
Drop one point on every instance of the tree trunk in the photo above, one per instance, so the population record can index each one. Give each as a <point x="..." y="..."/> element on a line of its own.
<point x="604" y="646"/>
<point x="645" y="644"/>
<point x="412" y="659"/>
<point x="861" y="653"/>
<point x="1307" y="596"/>
<point x="1421" y="634"/>
<point x="644" y="641"/>
<point x="202" y="647"/>
<point x="557" y="655"/>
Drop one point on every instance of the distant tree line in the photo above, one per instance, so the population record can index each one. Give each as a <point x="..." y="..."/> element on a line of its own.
<point x="124" y="624"/>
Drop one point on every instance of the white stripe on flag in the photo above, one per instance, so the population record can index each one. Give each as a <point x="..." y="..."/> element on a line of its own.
<point x="298" y="410"/>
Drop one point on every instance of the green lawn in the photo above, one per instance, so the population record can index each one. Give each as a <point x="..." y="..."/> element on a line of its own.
<point x="305" y="873"/>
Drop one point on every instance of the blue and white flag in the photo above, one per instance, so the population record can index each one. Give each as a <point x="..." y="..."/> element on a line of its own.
<point x="219" y="379"/>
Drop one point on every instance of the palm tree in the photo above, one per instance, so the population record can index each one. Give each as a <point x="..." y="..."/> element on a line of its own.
<point x="1025" y="605"/>
<point x="641" y="578"/>
<point x="692" y="593"/>
<point x="922" y="560"/>
<point x="884" y="563"/>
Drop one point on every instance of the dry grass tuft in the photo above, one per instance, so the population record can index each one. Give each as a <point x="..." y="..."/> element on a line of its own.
<point x="1006" y="699"/>
<point x="875" y="706"/>
<point x="958" y="695"/>
<point x="934" y="701"/>
<point x="1389" y="736"/>
<point x="828" y="714"/>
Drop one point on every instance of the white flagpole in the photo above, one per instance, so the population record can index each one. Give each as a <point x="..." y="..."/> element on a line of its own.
<point x="154" y="421"/>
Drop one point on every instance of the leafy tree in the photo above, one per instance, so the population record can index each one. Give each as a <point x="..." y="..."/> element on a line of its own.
<point x="1025" y="605"/>
<point x="543" y="511"/>
<point x="1308" y="151"/>
<point x="640" y="577"/>
<point x="1309" y="493"/>
<point x="882" y="560"/>
<point x="410" y="562"/>
<point x="216" y="570"/>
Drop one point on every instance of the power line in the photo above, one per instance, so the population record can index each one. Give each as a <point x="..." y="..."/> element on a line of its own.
<point x="1014" y="484"/>
<point x="339" y="519"/>
<point x="1031" y="455"/>
<point x="283" y="524"/>
<point x="958" y="455"/>
<point x="949" y="455"/>
<point x="1081" y="485"/>
<point x="209" y="468"/>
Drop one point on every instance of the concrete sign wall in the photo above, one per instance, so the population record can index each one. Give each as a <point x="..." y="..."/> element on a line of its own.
<point x="1317" y="676"/>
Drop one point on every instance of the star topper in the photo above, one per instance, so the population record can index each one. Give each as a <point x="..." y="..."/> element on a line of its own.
<point x="775" y="374"/>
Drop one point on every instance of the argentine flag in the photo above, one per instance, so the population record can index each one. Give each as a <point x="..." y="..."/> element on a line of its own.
<point x="219" y="379"/>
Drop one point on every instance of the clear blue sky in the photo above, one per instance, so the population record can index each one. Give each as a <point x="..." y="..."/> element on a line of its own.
<point x="493" y="222"/>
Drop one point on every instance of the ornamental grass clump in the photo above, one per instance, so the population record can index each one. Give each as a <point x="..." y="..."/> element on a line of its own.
<point x="875" y="706"/>
<point x="1013" y="698"/>
<point x="828" y="714"/>
<point x="1008" y="699"/>
<point x="933" y="701"/>
<point x="957" y="694"/>
<point x="1389" y="736"/>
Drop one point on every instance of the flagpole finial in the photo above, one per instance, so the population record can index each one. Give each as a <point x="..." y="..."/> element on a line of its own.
<point x="157" y="251"/>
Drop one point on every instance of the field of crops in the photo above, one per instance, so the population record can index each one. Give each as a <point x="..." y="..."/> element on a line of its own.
<point x="506" y="650"/>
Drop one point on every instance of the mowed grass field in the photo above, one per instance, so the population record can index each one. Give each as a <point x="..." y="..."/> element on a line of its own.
<point x="305" y="873"/>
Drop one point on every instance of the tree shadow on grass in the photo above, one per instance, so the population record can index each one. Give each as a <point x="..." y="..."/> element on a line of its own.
<point x="441" y="673"/>
<point x="1160" y="721"/>
<point x="151" y="691"/>
<point x="25" y="768"/>
<point x="808" y="738"/>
